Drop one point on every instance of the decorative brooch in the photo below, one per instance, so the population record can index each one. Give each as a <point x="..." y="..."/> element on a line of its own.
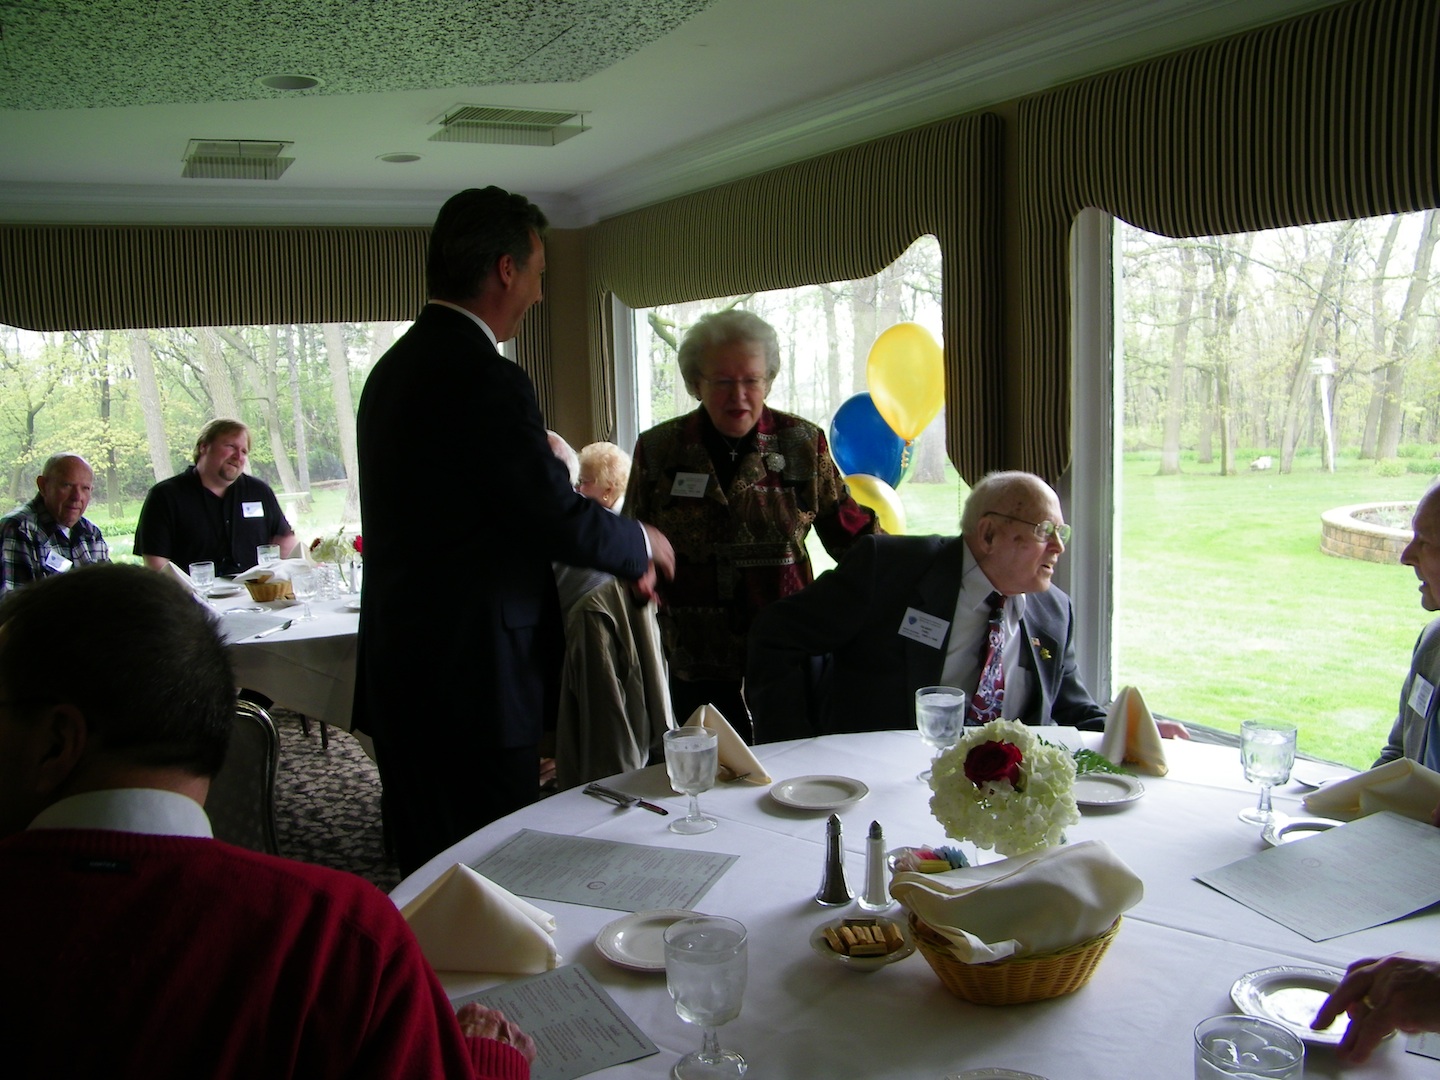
<point x="1044" y="652"/>
<point x="775" y="462"/>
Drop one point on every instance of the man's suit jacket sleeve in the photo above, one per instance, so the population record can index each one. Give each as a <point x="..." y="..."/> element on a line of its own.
<point x="787" y="634"/>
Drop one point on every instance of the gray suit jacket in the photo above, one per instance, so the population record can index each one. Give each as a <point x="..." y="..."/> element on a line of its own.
<point x="1407" y="736"/>
<point x="851" y="617"/>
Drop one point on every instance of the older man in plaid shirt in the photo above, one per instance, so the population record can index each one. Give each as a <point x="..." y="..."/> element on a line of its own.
<point x="50" y="533"/>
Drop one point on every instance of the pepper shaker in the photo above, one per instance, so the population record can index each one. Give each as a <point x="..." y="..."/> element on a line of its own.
<point x="875" y="896"/>
<point x="833" y="890"/>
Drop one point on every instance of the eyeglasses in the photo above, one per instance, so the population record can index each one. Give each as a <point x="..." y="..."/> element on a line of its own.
<point x="726" y="385"/>
<point x="1043" y="529"/>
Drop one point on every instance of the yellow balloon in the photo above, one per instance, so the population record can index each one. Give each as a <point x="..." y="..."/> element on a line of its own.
<point x="879" y="496"/>
<point x="906" y="377"/>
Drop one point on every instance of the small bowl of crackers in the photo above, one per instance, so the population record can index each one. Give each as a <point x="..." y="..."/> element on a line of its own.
<point x="863" y="944"/>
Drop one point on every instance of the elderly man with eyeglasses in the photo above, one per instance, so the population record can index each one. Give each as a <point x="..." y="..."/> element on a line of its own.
<point x="975" y="611"/>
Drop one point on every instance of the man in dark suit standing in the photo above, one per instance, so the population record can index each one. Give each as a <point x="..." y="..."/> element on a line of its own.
<point x="465" y="508"/>
<point x="903" y="612"/>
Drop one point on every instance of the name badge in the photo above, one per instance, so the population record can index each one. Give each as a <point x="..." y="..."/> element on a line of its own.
<point x="57" y="562"/>
<point x="1421" y="691"/>
<point x="926" y="629"/>
<point x="690" y="485"/>
<point x="252" y="509"/>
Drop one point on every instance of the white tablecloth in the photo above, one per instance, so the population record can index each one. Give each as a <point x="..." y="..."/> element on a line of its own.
<point x="1172" y="964"/>
<point x="310" y="667"/>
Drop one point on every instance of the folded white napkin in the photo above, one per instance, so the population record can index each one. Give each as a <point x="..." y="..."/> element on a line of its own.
<point x="1025" y="906"/>
<point x="180" y="575"/>
<point x="1131" y="736"/>
<point x="465" y="922"/>
<point x="280" y="571"/>
<point x="1403" y="785"/>
<point x="732" y="751"/>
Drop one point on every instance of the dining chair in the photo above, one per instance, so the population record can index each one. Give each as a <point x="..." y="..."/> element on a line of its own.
<point x="241" y="803"/>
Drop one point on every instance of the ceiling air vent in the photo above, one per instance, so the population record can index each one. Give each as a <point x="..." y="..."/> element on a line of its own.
<point x="507" y="126"/>
<point x="235" y="159"/>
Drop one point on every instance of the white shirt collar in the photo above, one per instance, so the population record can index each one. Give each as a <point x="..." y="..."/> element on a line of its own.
<point x="473" y="318"/>
<point x="133" y="810"/>
<point x="975" y="590"/>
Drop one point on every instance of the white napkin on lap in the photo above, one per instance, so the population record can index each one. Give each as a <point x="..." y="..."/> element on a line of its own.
<point x="465" y="922"/>
<point x="1025" y="906"/>
<point x="1131" y="736"/>
<point x="731" y="748"/>
<point x="1403" y="785"/>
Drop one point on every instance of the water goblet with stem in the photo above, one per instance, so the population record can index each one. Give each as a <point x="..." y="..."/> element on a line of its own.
<point x="304" y="584"/>
<point x="691" y="758"/>
<point x="1267" y="750"/>
<point x="940" y="717"/>
<point x="705" y="968"/>
<point x="202" y="576"/>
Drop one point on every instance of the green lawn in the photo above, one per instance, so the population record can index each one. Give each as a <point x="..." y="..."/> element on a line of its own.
<point x="1227" y="610"/>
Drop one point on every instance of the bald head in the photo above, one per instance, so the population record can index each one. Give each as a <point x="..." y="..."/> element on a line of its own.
<point x="1423" y="551"/>
<point x="66" y="483"/>
<point x="1004" y="527"/>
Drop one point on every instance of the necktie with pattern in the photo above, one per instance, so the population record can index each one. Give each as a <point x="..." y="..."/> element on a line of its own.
<point x="989" y="694"/>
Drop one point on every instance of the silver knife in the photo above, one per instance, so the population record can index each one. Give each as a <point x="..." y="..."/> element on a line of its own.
<point x="273" y="630"/>
<point x="623" y="799"/>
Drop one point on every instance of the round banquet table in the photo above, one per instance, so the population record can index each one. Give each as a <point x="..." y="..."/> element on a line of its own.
<point x="1172" y="964"/>
<point x="309" y="668"/>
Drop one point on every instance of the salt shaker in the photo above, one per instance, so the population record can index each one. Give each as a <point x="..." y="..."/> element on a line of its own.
<point x="875" y="897"/>
<point x="833" y="890"/>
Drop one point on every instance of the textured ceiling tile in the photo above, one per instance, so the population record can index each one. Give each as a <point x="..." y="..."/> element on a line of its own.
<point x="75" y="54"/>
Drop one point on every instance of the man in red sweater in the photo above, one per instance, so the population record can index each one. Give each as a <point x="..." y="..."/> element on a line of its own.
<point x="135" y="944"/>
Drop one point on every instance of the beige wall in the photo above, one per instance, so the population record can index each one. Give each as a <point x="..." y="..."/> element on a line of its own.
<point x="565" y="300"/>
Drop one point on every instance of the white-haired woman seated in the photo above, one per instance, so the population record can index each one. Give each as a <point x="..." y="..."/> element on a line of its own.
<point x="604" y="472"/>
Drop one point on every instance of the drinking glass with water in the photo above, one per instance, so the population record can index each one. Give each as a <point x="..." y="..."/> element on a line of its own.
<point x="1239" y="1047"/>
<point x="939" y="717"/>
<point x="691" y="758"/>
<point x="705" y="971"/>
<point x="1267" y="750"/>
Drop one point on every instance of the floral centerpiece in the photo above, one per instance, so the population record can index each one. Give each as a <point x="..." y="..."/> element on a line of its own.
<point x="339" y="548"/>
<point x="1003" y="787"/>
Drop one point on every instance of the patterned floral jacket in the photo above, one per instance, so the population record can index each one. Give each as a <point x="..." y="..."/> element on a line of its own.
<point x="737" y="550"/>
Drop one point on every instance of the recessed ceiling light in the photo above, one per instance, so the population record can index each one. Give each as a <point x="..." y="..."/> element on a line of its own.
<point x="399" y="159"/>
<point x="290" y="82"/>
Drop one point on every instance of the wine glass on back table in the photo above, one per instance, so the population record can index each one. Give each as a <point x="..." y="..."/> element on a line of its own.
<point x="705" y="970"/>
<point x="1267" y="750"/>
<point x="939" y="716"/>
<point x="691" y="757"/>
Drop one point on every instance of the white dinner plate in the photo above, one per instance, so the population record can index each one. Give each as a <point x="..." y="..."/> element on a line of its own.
<point x="1290" y="996"/>
<point x="818" y="792"/>
<point x="352" y="605"/>
<point x="637" y="941"/>
<point x="861" y="963"/>
<point x="1282" y="830"/>
<point x="225" y="588"/>
<point x="1107" y="789"/>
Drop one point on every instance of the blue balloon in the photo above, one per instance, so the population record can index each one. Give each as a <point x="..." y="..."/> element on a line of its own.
<point x="862" y="442"/>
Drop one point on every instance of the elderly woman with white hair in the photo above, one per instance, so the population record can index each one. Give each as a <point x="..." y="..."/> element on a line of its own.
<point x="736" y="486"/>
<point x="604" y="472"/>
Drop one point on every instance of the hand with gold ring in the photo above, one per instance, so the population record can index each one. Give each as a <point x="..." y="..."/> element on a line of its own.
<point x="477" y="1021"/>
<point x="1396" y="993"/>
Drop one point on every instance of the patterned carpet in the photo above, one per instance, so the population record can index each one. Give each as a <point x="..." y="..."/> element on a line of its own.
<point x="327" y="803"/>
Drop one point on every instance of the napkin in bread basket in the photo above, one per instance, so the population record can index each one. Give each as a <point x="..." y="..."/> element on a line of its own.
<point x="465" y="922"/>
<point x="731" y="749"/>
<point x="1028" y="905"/>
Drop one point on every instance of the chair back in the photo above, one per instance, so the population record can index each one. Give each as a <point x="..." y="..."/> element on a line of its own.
<point x="241" y="803"/>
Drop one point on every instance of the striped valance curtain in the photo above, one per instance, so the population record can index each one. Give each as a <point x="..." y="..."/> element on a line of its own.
<point x="1329" y="116"/>
<point x="104" y="277"/>
<point x="836" y="217"/>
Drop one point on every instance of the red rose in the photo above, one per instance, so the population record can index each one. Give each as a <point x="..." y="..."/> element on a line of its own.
<point x="359" y="549"/>
<point x="993" y="761"/>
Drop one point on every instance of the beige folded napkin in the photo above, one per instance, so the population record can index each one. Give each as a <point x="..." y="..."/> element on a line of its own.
<point x="1403" y="785"/>
<point x="1131" y="737"/>
<point x="465" y="922"/>
<point x="733" y="753"/>
<point x="1024" y="906"/>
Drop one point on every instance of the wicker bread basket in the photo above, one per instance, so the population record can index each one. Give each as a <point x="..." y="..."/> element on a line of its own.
<point x="1012" y="981"/>
<point x="266" y="589"/>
